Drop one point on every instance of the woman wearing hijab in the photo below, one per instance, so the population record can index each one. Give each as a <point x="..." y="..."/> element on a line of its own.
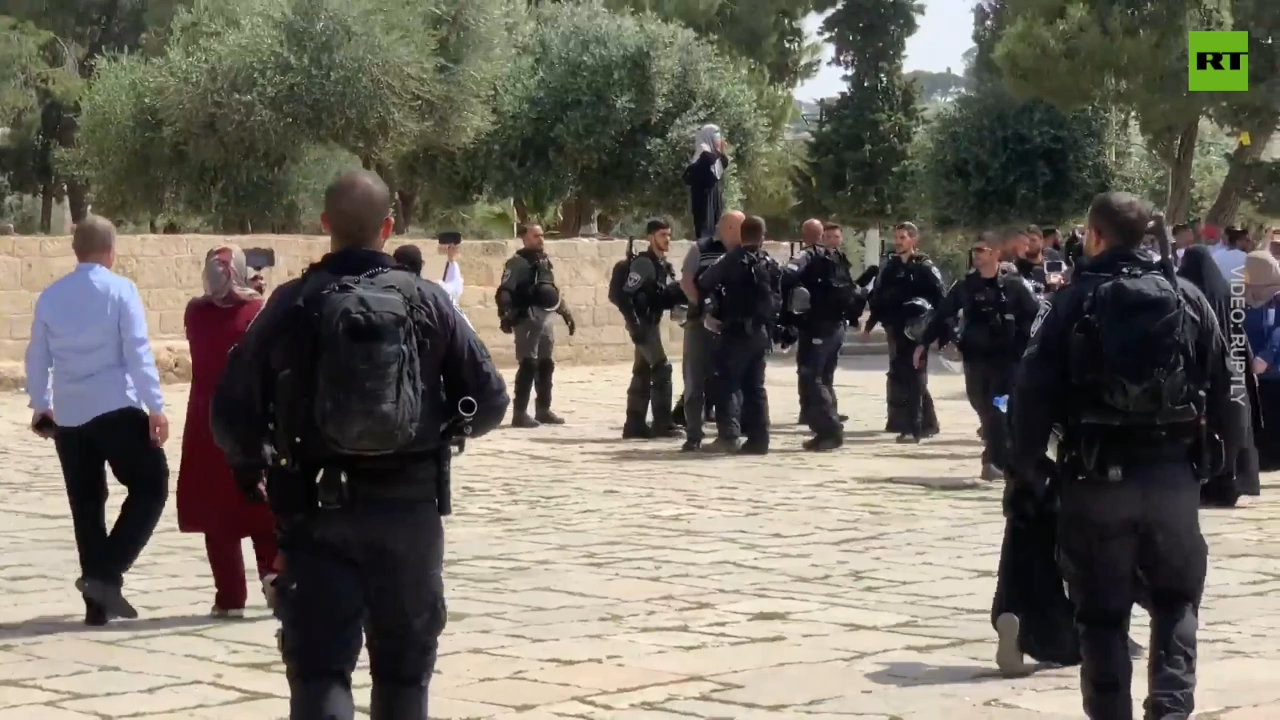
<point x="703" y="175"/>
<point x="1262" y="326"/>
<point x="208" y="500"/>
<point x="1241" y="477"/>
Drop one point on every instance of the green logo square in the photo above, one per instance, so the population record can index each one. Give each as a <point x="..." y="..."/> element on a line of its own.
<point x="1218" y="62"/>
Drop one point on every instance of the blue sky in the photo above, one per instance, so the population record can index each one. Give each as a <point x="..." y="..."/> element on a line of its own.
<point x="945" y="32"/>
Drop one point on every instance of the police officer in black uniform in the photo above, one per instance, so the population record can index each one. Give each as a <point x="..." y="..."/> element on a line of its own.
<point x="741" y="299"/>
<point x="819" y="289"/>
<point x="528" y="303"/>
<point x="700" y="344"/>
<point x="996" y="307"/>
<point x="1145" y="413"/>
<point x="650" y="290"/>
<point x="361" y="536"/>
<point x="904" y="276"/>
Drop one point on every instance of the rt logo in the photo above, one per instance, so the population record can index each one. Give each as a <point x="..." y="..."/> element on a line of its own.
<point x="1219" y="62"/>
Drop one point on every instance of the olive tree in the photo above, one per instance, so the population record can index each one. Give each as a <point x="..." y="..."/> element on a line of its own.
<point x="598" y="111"/>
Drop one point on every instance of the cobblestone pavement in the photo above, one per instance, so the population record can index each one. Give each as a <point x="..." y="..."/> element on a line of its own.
<point x="597" y="579"/>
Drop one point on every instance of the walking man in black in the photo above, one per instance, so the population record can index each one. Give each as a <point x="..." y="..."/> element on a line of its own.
<point x="905" y="276"/>
<point x="1130" y="362"/>
<point x="997" y="308"/>
<point x="350" y="386"/>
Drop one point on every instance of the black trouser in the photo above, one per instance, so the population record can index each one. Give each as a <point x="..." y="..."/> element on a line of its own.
<point x="699" y="366"/>
<point x="986" y="379"/>
<point x="373" y="565"/>
<point x="911" y="409"/>
<point x="743" y="404"/>
<point x="1114" y="536"/>
<point x="122" y="440"/>
<point x="650" y="380"/>
<point x="816" y="357"/>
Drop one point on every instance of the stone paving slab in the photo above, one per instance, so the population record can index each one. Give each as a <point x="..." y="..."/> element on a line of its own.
<point x="596" y="579"/>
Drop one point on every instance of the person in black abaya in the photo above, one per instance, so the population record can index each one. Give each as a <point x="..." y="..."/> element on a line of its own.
<point x="704" y="176"/>
<point x="1241" y="476"/>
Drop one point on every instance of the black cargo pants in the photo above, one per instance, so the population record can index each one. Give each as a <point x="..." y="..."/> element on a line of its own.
<point x="1114" y="537"/>
<point x="985" y="379"/>
<point x="743" y="404"/>
<point x="817" y="355"/>
<point x="911" y="410"/>
<point x="375" y="566"/>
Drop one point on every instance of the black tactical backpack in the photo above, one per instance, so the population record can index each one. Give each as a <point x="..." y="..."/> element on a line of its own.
<point x="366" y="384"/>
<point x="1132" y="359"/>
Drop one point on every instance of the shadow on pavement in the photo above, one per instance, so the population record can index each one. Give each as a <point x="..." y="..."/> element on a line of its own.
<point x="934" y="482"/>
<point x="909" y="674"/>
<point x="56" y="625"/>
<point x="615" y="438"/>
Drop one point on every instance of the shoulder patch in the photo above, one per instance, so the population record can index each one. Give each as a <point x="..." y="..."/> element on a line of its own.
<point x="633" y="280"/>
<point x="1045" y="307"/>
<point x="506" y="274"/>
<point x="936" y="272"/>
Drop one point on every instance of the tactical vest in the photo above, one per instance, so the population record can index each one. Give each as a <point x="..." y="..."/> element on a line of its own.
<point x="710" y="250"/>
<point x="542" y="274"/>
<point x="987" y="326"/>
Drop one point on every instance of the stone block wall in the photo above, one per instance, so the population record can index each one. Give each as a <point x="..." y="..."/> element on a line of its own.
<point x="167" y="270"/>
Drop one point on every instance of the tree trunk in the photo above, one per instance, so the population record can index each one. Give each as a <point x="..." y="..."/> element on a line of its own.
<point x="522" y="211"/>
<point x="1227" y="204"/>
<point x="397" y="204"/>
<point x="46" y="207"/>
<point x="1178" y="205"/>
<point x="574" y="214"/>
<point x="407" y="201"/>
<point x="78" y="199"/>
<point x="605" y="223"/>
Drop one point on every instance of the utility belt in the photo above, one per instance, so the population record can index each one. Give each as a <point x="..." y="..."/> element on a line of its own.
<point x="1107" y="460"/>
<point x="418" y="478"/>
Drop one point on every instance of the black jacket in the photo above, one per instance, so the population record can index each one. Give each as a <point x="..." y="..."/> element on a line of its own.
<point x="1018" y="302"/>
<point x="1043" y="383"/>
<point x="456" y="364"/>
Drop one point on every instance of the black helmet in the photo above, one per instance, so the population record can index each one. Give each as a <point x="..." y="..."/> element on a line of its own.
<point x="545" y="296"/>
<point x="916" y="314"/>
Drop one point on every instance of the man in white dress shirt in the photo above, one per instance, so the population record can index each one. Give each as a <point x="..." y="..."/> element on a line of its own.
<point x="102" y="408"/>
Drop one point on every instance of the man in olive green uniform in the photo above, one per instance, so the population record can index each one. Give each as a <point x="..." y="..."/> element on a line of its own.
<point x="649" y="291"/>
<point x="528" y="301"/>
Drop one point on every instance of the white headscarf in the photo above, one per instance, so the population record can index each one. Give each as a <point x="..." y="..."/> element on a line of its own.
<point x="705" y="140"/>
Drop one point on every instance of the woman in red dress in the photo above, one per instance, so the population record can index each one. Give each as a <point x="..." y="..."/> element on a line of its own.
<point x="208" y="500"/>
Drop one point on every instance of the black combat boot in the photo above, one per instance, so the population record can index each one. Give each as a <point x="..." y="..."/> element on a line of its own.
<point x="823" y="443"/>
<point x="542" y="405"/>
<point x="664" y="424"/>
<point x="635" y="428"/>
<point x="677" y="413"/>
<point x="524" y="388"/>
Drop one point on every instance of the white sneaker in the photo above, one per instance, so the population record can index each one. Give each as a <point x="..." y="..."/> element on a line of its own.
<point x="1009" y="656"/>
<point x="218" y="613"/>
<point x="269" y="590"/>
